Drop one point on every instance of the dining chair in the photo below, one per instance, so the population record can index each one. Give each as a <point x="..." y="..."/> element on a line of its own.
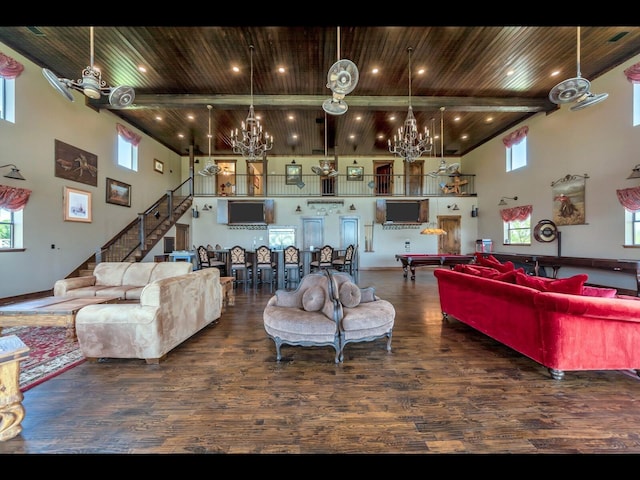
<point x="344" y="263"/>
<point x="205" y="260"/>
<point x="324" y="259"/>
<point x="266" y="266"/>
<point x="292" y="266"/>
<point x="241" y="267"/>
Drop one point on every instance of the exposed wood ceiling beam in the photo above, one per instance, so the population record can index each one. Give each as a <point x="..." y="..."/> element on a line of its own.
<point x="461" y="104"/>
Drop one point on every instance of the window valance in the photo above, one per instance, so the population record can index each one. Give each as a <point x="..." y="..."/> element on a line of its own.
<point x="128" y="135"/>
<point x="13" y="198"/>
<point x="515" y="137"/>
<point x="9" y="67"/>
<point x="633" y="73"/>
<point x="516" y="213"/>
<point x="629" y="198"/>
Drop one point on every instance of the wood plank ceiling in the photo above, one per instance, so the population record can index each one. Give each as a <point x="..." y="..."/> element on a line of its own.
<point x="487" y="78"/>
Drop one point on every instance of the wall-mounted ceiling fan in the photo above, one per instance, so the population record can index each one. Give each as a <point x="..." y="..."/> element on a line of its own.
<point x="342" y="78"/>
<point x="576" y="89"/>
<point x="91" y="84"/>
<point x="210" y="169"/>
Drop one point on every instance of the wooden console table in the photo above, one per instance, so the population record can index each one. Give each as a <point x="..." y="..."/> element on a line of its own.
<point x="12" y="351"/>
<point x="628" y="267"/>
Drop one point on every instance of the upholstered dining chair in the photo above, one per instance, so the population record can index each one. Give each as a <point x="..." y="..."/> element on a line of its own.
<point x="265" y="266"/>
<point x="344" y="263"/>
<point x="205" y="261"/>
<point x="241" y="267"/>
<point x="292" y="266"/>
<point x="324" y="259"/>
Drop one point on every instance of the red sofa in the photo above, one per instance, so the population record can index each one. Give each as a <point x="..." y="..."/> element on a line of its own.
<point x="561" y="331"/>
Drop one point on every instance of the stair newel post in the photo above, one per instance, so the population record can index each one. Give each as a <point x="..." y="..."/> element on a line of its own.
<point x="170" y="202"/>
<point x="141" y="229"/>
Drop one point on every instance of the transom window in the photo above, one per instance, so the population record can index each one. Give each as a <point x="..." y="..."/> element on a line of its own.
<point x="127" y="154"/>
<point x="517" y="155"/>
<point x="7" y="100"/>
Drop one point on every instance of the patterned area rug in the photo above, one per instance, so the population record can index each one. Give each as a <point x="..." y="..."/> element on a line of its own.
<point x="51" y="353"/>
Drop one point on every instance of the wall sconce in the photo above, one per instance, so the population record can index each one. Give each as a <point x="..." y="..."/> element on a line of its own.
<point x="635" y="173"/>
<point x="195" y="212"/>
<point x="454" y="206"/>
<point x="474" y="211"/>
<point x="14" y="173"/>
<point x="502" y="203"/>
<point x="298" y="209"/>
<point x="156" y="214"/>
<point x="206" y="208"/>
<point x="355" y="162"/>
<point x="352" y="207"/>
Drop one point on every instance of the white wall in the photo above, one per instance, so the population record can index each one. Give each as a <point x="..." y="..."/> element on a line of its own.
<point x="42" y="116"/>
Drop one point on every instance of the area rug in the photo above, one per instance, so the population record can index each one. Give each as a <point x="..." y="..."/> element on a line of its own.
<point x="51" y="352"/>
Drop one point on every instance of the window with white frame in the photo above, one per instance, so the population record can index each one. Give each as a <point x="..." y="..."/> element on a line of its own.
<point x="516" y="148"/>
<point x="7" y="99"/>
<point x="10" y="229"/>
<point x="127" y="154"/>
<point x="636" y="104"/>
<point x="517" y="225"/>
<point x="632" y="228"/>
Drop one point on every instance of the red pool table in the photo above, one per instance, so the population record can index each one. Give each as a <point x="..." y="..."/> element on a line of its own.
<point x="412" y="260"/>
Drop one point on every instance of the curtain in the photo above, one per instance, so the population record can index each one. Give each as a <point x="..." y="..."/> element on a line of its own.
<point x="633" y="73"/>
<point x="629" y="198"/>
<point x="515" y="137"/>
<point x="516" y="213"/>
<point x="128" y="135"/>
<point x="13" y="198"/>
<point x="9" y="67"/>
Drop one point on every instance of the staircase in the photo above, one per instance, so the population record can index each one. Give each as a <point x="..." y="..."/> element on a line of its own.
<point x="137" y="239"/>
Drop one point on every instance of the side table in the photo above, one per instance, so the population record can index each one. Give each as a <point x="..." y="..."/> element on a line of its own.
<point x="12" y="350"/>
<point x="228" y="295"/>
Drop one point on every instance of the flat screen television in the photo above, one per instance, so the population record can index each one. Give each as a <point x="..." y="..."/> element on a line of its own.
<point x="402" y="211"/>
<point x="245" y="212"/>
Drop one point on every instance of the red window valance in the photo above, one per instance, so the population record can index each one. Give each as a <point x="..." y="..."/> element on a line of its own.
<point x="13" y="198"/>
<point x="9" y="67"/>
<point x="516" y="213"/>
<point x="633" y="73"/>
<point x="515" y="137"/>
<point x="128" y="135"/>
<point x="629" y="198"/>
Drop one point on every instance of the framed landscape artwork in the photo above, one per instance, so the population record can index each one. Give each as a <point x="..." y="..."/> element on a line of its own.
<point x="118" y="193"/>
<point x="77" y="205"/>
<point x="75" y="164"/>
<point x="158" y="166"/>
<point x="355" y="173"/>
<point x="293" y="174"/>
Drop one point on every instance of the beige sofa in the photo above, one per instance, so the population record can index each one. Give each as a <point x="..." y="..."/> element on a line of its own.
<point x="119" y="279"/>
<point x="170" y="311"/>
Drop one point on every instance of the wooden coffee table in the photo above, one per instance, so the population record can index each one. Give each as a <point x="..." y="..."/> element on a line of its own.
<point x="48" y="312"/>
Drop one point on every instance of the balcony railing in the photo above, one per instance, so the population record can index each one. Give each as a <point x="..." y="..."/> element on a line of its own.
<point x="311" y="185"/>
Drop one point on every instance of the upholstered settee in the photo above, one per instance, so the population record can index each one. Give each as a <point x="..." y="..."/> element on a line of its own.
<point x="170" y="311"/>
<point x="327" y="308"/>
<point x="119" y="279"/>
<point x="363" y="315"/>
<point x="560" y="323"/>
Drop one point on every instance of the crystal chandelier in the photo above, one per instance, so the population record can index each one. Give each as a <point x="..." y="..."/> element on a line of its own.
<point x="408" y="143"/>
<point x="254" y="142"/>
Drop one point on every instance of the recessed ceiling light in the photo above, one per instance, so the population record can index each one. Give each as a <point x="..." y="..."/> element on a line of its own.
<point x="488" y="119"/>
<point x="235" y="69"/>
<point x="158" y="118"/>
<point x="291" y="117"/>
<point x="456" y="119"/>
<point x="294" y="136"/>
<point x="392" y="117"/>
<point x="359" y="117"/>
<point x="421" y="71"/>
<point x="555" y="73"/>
<point x="510" y="72"/>
<point x="464" y="136"/>
<point x="180" y="135"/>
<point x="142" y="69"/>
<point x="281" y="70"/>
<point x="375" y="70"/>
<point x="190" y="116"/>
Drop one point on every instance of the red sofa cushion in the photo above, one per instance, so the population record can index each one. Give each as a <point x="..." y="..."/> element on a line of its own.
<point x="491" y="261"/>
<point x="571" y="285"/>
<point x="599" y="292"/>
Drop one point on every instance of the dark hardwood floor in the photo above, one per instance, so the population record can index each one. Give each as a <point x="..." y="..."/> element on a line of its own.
<point x="444" y="389"/>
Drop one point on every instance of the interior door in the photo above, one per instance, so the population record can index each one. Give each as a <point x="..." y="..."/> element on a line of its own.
<point x="312" y="232"/>
<point x="449" y="243"/>
<point x="383" y="171"/>
<point x="182" y="237"/>
<point x="413" y="176"/>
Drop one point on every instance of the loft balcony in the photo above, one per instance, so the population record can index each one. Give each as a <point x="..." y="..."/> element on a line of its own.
<point x="311" y="185"/>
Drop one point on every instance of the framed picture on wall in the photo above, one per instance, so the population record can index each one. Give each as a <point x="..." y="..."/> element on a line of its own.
<point x="72" y="163"/>
<point x="158" y="166"/>
<point x="77" y="205"/>
<point x="355" y="173"/>
<point x="293" y="174"/>
<point x="118" y="193"/>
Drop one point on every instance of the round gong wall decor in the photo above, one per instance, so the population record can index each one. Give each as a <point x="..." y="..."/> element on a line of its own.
<point x="545" y="231"/>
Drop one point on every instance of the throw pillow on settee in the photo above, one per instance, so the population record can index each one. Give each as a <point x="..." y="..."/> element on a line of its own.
<point x="572" y="285"/>
<point x="491" y="261"/>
